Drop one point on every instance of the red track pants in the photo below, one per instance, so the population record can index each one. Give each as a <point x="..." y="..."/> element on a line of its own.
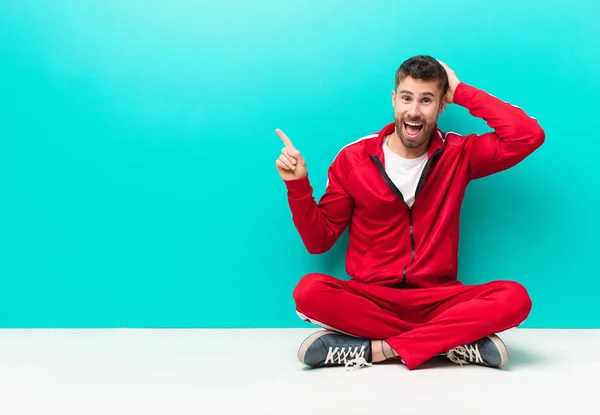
<point x="418" y="323"/>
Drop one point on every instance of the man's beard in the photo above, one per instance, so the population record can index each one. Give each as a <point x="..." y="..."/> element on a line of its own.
<point x="417" y="141"/>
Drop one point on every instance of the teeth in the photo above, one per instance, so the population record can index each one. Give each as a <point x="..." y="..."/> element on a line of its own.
<point x="413" y="125"/>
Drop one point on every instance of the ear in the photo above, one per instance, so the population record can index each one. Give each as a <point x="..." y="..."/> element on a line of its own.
<point x="443" y="104"/>
<point x="393" y="99"/>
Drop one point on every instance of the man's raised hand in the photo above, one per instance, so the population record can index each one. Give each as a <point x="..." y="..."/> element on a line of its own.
<point x="453" y="82"/>
<point x="290" y="164"/>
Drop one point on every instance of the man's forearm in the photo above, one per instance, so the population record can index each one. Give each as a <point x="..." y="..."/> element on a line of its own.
<point x="319" y="225"/>
<point x="509" y="122"/>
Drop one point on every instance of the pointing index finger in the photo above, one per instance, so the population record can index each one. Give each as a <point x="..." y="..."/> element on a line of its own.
<point x="286" y="140"/>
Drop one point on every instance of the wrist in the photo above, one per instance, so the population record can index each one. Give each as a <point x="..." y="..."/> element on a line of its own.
<point x="461" y="94"/>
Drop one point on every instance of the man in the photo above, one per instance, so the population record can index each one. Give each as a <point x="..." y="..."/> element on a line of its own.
<point x="400" y="192"/>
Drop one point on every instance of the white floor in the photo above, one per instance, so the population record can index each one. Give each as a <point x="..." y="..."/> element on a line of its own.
<point x="256" y="372"/>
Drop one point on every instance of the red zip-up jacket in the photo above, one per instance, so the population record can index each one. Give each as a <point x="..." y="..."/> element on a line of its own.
<point x="391" y="243"/>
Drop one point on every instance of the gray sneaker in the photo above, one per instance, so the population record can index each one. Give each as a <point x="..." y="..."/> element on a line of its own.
<point x="489" y="351"/>
<point x="328" y="348"/>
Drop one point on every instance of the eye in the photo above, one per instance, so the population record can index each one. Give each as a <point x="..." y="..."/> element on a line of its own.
<point x="405" y="98"/>
<point x="427" y="100"/>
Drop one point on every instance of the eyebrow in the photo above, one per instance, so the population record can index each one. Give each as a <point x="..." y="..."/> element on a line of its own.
<point x="410" y="93"/>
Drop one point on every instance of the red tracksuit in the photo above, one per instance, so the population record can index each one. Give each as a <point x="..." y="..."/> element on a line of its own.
<point x="403" y="261"/>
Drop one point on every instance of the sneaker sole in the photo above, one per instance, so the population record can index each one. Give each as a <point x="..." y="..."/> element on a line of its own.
<point x="501" y="348"/>
<point x="308" y="342"/>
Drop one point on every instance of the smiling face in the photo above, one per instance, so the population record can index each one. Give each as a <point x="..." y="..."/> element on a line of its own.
<point x="419" y="97"/>
<point x="417" y="105"/>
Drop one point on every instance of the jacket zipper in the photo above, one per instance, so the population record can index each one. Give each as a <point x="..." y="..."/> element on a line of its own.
<point x="398" y="193"/>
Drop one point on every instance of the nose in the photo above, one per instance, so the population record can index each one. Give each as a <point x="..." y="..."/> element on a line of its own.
<point x="414" y="110"/>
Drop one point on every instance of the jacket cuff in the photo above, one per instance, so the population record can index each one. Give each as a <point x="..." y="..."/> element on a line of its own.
<point x="463" y="93"/>
<point x="299" y="188"/>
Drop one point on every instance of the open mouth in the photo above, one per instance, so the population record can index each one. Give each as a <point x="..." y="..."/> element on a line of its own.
<point x="412" y="129"/>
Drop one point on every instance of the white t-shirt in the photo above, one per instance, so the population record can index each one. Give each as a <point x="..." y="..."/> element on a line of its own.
<point x="405" y="173"/>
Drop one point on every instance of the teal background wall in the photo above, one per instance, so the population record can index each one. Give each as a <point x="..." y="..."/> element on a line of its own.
<point x="137" y="150"/>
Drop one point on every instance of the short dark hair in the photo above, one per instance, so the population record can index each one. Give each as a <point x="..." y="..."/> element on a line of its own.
<point x="425" y="68"/>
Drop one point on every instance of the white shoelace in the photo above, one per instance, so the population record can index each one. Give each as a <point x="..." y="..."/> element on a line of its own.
<point x="356" y="363"/>
<point x="465" y="354"/>
<point x="353" y="358"/>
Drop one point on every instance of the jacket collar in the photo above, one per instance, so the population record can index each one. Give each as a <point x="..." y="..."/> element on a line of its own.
<point x="436" y="142"/>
